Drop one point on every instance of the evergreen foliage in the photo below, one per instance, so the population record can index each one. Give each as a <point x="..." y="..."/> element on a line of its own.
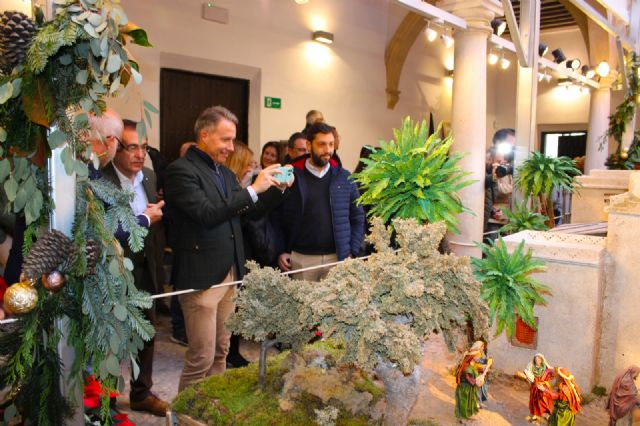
<point x="522" y="219"/>
<point x="73" y="63"/>
<point x="507" y="284"/>
<point x="414" y="176"/>
<point x="539" y="174"/>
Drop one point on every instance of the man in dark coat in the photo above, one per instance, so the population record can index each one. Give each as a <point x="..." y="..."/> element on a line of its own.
<point x="320" y="220"/>
<point x="127" y="171"/>
<point x="206" y="202"/>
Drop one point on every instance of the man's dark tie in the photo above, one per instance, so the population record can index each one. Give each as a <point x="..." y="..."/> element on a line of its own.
<point x="220" y="178"/>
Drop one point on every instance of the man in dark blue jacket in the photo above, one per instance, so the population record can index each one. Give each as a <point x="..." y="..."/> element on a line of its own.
<point x="320" y="220"/>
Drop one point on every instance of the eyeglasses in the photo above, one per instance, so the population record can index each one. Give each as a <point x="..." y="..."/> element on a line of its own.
<point x="131" y="148"/>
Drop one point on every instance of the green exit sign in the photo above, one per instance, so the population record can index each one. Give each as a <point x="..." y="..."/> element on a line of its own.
<point x="270" y="102"/>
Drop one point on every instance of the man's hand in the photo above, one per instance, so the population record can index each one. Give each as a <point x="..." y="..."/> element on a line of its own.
<point x="284" y="261"/>
<point x="154" y="212"/>
<point x="265" y="179"/>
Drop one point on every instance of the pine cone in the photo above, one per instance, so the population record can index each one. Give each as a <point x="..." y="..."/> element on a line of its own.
<point x="93" y="254"/>
<point x="16" y="32"/>
<point x="46" y="254"/>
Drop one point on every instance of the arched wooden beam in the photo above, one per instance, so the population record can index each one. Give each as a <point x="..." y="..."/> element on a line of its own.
<point x="397" y="51"/>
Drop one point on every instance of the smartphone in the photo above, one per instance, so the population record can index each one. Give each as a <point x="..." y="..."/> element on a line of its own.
<point x="284" y="175"/>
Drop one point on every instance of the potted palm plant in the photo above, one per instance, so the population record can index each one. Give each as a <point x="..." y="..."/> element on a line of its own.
<point x="414" y="176"/>
<point x="508" y="286"/>
<point x="539" y="175"/>
<point x="521" y="218"/>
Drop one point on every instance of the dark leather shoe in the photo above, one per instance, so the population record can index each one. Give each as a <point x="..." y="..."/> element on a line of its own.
<point x="151" y="404"/>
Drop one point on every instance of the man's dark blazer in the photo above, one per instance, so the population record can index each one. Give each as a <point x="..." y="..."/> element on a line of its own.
<point x="148" y="253"/>
<point x="206" y="224"/>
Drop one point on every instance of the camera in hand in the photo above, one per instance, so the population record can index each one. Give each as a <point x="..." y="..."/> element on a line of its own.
<point x="503" y="170"/>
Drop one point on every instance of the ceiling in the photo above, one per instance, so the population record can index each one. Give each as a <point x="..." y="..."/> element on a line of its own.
<point x="552" y="14"/>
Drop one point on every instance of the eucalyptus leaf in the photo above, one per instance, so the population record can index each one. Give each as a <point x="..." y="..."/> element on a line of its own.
<point x="90" y="30"/>
<point x="104" y="371"/>
<point x="101" y="27"/>
<point x="10" y="412"/>
<point x="11" y="188"/>
<point x="20" y="168"/>
<point x="95" y="19"/>
<point x="5" y="169"/>
<point x="86" y="104"/>
<point x="81" y="120"/>
<point x="82" y="76"/>
<point x="121" y="384"/>
<point x="113" y="63"/>
<point x="56" y="139"/>
<point x="118" y="14"/>
<point x="141" y="129"/>
<point x="95" y="47"/>
<point x="35" y="204"/>
<point x="3" y="134"/>
<point x="17" y="86"/>
<point x="114" y="343"/>
<point x="120" y="312"/>
<point x="67" y="159"/>
<point x="114" y="267"/>
<point x="115" y="85"/>
<point x="135" y="367"/>
<point x="60" y="2"/>
<point x="128" y="264"/>
<point x="104" y="45"/>
<point x="65" y="59"/>
<point x="21" y="200"/>
<point x="6" y="91"/>
<point x="148" y="117"/>
<point x="137" y="77"/>
<point x="81" y="169"/>
<point x="149" y="106"/>
<point x="113" y="366"/>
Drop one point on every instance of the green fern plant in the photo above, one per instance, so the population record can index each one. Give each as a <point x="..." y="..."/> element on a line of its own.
<point x="522" y="219"/>
<point x="507" y="284"/>
<point x="414" y="176"/>
<point x="539" y="175"/>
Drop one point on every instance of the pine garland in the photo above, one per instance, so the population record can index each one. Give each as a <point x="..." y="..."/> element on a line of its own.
<point x="74" y="62"/>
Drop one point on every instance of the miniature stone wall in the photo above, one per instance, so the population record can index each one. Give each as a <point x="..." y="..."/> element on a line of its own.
<point x="621" y="320"/>
<point x="596" y="190"/>
<point x="569" y="325"/>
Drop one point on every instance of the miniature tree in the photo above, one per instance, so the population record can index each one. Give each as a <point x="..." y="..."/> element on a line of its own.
<point x="269" y="312"/>
<point x="381" y="308"/>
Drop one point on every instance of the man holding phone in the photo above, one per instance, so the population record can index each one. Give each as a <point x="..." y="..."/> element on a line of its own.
<point x="320" y="220"/>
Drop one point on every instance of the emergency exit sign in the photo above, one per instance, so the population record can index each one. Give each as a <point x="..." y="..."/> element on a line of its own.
<point x="270" y="102"/>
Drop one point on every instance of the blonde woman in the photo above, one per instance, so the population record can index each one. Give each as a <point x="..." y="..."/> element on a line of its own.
<point x="240" y="162"/>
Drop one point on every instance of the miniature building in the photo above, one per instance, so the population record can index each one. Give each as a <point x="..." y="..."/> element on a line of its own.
<point x="591" y="324"/>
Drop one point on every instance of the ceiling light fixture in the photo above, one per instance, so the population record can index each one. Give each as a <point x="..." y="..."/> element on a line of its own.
<point x="603" y="69"/>
<point x="302" y="1"/>
<point x="588" y="72"/>
<point x="322" y="37"/>
<point x="493" y="57"/>
<point x="499" y="26"/>
<point x="504" y="62"/>
<point x="547" y="76"/>
<point x="447" y="40"/>
<point x="558" y="56"/>
<point x="430" y="33"/>
<point x="573" y="64"/>
<point x="542" y="49"/>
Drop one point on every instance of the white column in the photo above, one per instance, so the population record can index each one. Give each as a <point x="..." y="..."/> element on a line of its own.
<point x="599" y="111"/>
<point x="469" y="112"/>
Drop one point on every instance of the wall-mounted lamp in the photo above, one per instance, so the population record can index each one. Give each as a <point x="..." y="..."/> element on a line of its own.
<point x="499" y="26"/>
<point x="544" y="76"/>
<point x="430" y="33"/>
<point x="542" y="49"/>
<point x="448" y="73"/>
<point x="447" y="40"/>
<point x="558" y="56"/>
<point x="493" y="57"/>
<point x="504" y="62"/>
<point x="603" y="69"/>
<point x="566" y="82"/>
<point x="322" y="37"/>
<point x="573" y="64"/>
<point x="588" y="72"/>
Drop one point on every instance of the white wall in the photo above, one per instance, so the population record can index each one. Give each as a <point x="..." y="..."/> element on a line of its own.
<point x="345" y="81"/>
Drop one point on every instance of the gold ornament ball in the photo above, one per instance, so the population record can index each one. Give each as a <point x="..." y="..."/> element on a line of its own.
<point x="54" y="281"/>
<point x="624" y="154"/>
<point x="20" y="298"/>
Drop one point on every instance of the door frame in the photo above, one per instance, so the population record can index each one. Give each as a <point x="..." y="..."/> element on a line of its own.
<point x="225" y="69"/>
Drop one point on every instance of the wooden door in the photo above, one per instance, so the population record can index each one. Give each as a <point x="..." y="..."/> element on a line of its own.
<point x="184" y="95"/>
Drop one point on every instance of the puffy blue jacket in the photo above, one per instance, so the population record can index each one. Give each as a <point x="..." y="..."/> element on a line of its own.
<point x="348" y="216"/>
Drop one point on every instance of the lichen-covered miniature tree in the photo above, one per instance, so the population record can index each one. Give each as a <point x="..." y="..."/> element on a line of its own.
<point x="384" y="307"/>
<point x="268" y="307"/>
<point x="381" y="308"/>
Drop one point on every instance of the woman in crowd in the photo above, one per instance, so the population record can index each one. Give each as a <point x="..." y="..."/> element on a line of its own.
<point x="270" y="154"/>
<point x="567" y="399"/>
<point x="539" y="374"/>
<point x="623" y="398"/>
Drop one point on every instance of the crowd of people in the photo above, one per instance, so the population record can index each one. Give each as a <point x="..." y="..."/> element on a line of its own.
<point x="213" y="209"/>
